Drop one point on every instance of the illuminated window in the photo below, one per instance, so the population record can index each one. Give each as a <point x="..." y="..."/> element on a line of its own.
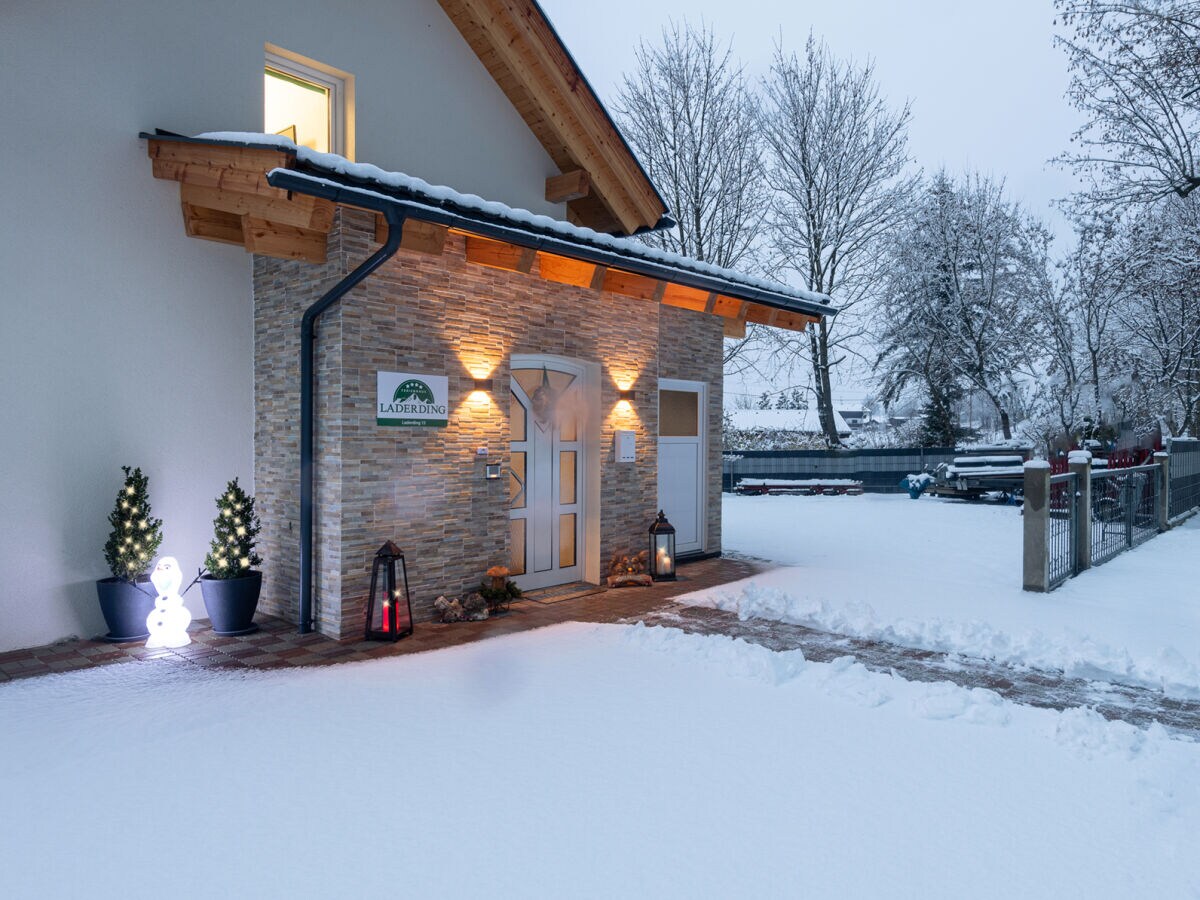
<point x="309" y="102"/>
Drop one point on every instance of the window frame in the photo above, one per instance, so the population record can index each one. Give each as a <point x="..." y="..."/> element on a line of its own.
<point x="338" y="83"/>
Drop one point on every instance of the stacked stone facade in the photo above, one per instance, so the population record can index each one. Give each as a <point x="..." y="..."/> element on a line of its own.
<point x="424" y="487"/>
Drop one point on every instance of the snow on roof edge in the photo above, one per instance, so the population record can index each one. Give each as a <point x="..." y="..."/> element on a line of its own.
<point x="439" y="194"/>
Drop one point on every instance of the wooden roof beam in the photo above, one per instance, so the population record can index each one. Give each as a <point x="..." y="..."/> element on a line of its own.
<point x="423" y="237"/>
<point x="569" y="186"/>
<point x="283" y="241"/>
<point x="564" y="270"/>
<point x="499" y="255"/>
<point x="304" y="212"/>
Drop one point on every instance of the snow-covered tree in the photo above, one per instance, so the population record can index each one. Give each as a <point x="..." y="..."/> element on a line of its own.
<point x="1157" y="372"/>
<point x="967" y="273"/>
<point x="1135" y="75"/>
<point x="837" y="162"/>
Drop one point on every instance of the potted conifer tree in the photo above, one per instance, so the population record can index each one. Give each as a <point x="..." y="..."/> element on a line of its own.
<point x="231" y="584"/>
<point x="127" y="598"/>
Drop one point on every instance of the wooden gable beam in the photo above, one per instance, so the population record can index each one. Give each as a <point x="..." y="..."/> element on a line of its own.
<point x="523" y="51"/>
<point x="568" y="186"/>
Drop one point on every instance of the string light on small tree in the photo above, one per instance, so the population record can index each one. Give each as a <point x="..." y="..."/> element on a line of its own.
<point x="235" y="530"/>
<point x="128" y="558"/>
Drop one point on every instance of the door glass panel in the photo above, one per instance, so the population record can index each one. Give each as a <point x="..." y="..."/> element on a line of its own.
<point x="517" y="495"/>
<point x="566" y="477"/>
<point x="516" y="419"/>
<point x="544" y="389"/>
<point x="516" y="529"/>
<point x="566" y="540"/>
<point x="678" y="414"/>
<point x="568" y="429"/>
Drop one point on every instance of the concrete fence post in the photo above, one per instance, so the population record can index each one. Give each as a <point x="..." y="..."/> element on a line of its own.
<point x="1080" y="464"/>
<point x="1036" y="512"/>
<point x="1164" y="489"/>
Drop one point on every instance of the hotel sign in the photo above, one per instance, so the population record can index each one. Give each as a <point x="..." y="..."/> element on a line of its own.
<point x="406" y="400"/>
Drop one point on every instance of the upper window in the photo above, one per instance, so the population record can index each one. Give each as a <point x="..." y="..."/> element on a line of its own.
<point x="309" y="102"/>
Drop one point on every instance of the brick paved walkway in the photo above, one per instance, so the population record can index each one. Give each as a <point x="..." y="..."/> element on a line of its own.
<point x="277" y="645"/>
<point x="1046" y="688"/>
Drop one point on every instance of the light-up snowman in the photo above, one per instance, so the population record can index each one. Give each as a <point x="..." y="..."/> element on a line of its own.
<point x="169" y="621"/>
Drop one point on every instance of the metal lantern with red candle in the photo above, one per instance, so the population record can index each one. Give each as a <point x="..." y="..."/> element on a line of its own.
<point x="389" y="608"/>
<point x="662" y="549"/>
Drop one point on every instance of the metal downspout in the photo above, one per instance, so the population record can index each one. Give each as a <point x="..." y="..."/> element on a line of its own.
<point x="308" y="414"/>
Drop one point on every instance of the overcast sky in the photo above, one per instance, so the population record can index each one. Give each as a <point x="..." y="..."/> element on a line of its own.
<point x="985" y="79"/>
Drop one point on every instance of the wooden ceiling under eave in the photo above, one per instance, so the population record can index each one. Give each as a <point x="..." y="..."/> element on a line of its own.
<point x="519" y="48"/>
<point x="224" y="196"/>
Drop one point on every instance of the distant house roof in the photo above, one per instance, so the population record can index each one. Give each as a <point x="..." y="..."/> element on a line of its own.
<point x="806" y="421"/>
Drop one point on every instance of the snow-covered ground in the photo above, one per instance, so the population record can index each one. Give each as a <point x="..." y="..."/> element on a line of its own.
<point x="946" y="575"/>
<point x="581" y="761"/>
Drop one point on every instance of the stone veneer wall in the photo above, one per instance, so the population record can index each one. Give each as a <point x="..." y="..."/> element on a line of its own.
<point x="691" y="347"/>
<point x="424" y="487"/>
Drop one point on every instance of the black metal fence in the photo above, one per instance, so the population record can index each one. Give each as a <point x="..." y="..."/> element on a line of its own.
<point x="1060" y="535"/>
<point x="880" y="471"/>
<point x="1185" y="476"/>
<point x="1125" y="506"/>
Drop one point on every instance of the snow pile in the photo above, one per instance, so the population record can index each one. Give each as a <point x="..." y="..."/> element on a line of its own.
<point x="946" y="576"/>
<point x="595" y="761"/>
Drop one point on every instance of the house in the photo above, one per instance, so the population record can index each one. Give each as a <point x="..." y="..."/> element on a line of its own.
<point x="276" y="286"/>
<point x="854" y="417"/>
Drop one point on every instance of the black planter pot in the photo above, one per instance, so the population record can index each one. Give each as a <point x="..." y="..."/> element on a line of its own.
<point x="231" y="602"/>
<point x="125" y="607"/>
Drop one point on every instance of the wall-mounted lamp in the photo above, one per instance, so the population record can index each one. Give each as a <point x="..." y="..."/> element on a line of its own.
<point x="627" y="396"/>
<point x="482" y="384"/>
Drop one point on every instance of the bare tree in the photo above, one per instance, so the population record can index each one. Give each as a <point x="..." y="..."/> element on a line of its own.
<point x="967" y="276"/>
<point x="837" y="165"/>
<point x="690" y="116"/>
<point x="1135" y="68"/>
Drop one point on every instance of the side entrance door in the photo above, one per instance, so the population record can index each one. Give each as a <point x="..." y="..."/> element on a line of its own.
<point x="545" y="474"/>
<point x="682" y="455"/>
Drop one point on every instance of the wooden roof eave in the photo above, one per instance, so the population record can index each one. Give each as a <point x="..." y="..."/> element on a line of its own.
<point x="510" y="248"/>
<point x="227" y="195"/>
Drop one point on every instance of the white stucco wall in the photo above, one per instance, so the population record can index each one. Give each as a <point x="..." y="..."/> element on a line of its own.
<point x="122" y="341"/>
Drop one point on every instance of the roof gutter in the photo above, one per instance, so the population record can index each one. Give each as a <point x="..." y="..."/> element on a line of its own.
<point x="308" y="411"/>
<point x="301" y="183"/>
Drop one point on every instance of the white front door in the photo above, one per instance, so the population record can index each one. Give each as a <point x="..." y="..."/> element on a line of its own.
<point x="682" y="456"/>
<point x="546" y="491"/>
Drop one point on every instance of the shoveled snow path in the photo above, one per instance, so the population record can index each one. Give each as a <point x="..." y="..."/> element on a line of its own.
<point x="946" y="576"/>
<point x="1043" y="688"/>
